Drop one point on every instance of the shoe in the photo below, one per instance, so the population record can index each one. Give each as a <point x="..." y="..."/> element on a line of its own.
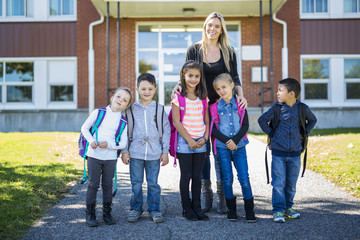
<point x="249" y="210"/>
<point x="91" y="216"/>
<point x="207" y="195"/>
<point x="133" y="216"/>
<point x="157" y="217"/>
<point x="231" y="205"/>
<point x="108" y="219"/>
<point x="291" y="213"/>
<point x="279" y="217"/>
<point x="221" y="202"/>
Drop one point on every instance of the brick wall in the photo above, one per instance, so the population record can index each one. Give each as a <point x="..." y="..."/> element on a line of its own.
<point x="250" y="35"/>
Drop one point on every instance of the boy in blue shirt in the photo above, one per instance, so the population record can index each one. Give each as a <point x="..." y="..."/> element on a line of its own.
<point x="147" y="149"/>
<point x="286" y="147"/>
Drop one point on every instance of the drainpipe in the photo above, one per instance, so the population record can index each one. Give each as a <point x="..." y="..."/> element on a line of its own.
<point x="284" y="51"/>
<point x="91" y="63"/>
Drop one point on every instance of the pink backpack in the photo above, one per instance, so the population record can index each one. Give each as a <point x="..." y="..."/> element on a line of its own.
<point x="216" y="120"/>
<point x="174" y="132"/>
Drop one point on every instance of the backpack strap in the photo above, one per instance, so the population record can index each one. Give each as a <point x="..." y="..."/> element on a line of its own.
<point x="273" y="125"/>
<point x="119" y="132"/>
<point x="94" y="129"/>
<point x="130" y="123"/>
<point x="182" y="107"/>
<point x="159" y="118"/>
<point x="304" y="140"/>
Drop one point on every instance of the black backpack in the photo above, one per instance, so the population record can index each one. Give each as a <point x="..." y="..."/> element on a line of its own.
<point x="304" y="137"/>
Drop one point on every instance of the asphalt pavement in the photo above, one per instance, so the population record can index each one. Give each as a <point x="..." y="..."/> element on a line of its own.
<point x="327" y="211"/>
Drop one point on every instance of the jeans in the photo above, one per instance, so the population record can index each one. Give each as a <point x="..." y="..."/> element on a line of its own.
<point x="240" y="162"/>
<point x="191" y="166"/>
<point x="207" y="165"/>
<point x="183" y="146"/>
<point x="284" y="174"/>
<point x="100" y="169"/>
<point x="152" y="169"/>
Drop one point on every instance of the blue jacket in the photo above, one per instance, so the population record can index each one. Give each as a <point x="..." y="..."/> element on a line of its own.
<point x="286" y="140"/>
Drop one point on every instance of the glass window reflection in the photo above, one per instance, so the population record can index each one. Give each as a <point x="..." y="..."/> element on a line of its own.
<point x="352" y="68"/>
<point x="353" y="90"/>
<point x="148" y="61"/>
<point x="61" y="93"/>
<point x="148" y="37"/>
<point x="169" y="86"/>
<point x="19" y="72"/>
<point x="315" y="68"/>
<point x="19" y="94"/>
<point x="173" y="63"/>
<point x="316" y="91"/>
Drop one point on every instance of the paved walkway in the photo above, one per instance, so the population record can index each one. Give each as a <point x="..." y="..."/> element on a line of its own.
<point x="327" y="211"/>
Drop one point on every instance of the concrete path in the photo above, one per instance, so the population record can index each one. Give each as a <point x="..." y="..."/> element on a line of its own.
<point x="327" y="211"/>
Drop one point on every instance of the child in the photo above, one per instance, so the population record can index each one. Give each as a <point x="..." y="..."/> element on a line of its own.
<point x="102" y="155"/>
<point x="193" y="132"/>
<point x="146" y="150"/>
<point x="231" y="147"/>
<point x="286" y="147"/>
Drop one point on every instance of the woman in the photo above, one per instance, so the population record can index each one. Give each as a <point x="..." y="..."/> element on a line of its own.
<point x="217" y="56"/>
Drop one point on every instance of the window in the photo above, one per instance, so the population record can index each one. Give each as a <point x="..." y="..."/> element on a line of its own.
<point x="315" y="75"/>
<point x="61" y="7"/>
<point x="0" y="8"/>
<point x="314" y="6"/>
<point x="61" y="93"/>
<point x="17" y="80"/>
<point x="16" y="8"/>
<point x="62" y="77"/>
<point x="161" y="50"/>
<point x="352" y="78"/>
<point x="351" y="6"/>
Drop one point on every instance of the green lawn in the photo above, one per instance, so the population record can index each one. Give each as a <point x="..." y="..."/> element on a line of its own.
<point x="36" y="170"/>
<point x="334" y="153"/>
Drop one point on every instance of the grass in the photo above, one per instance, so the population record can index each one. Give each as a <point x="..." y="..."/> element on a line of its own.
<point x="334" y="153"/>
<point x="36" y="170"/>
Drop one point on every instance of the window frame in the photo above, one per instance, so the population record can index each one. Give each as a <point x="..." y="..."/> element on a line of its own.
<point x="349" y="80"/>
<point x="315" y="14"/>
<point x="62" y="17"/>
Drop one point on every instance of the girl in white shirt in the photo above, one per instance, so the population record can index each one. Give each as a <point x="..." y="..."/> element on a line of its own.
<point x="102" y="154"/>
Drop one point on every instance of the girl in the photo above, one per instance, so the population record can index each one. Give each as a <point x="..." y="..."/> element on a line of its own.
<point x="230" y="131"/>
<point x="216" y="56"/>
<point x="103" y="153"/>
<point x="193" y="132"/>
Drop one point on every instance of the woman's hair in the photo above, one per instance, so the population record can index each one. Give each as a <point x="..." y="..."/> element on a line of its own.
<point x="224" y="77"/>
<point x="200" y="89"/>
<point x="223" y="41"/>
<point x="126" y="90"/>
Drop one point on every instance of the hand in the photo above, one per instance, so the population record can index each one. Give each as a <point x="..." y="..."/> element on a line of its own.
<point x="103" y="144"/>
<point x="242" y="102"/>
<point x="177" y="89"/>
<point x="231" y="145"/>
<point x="125" y="157"/>
<point x="192" y="144"/>
<point x="94" y="145"/>
<point x="200" y="142"/>
<point x="164" y="159"/>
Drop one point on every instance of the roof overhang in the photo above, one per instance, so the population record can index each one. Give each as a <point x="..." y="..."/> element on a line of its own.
<point x="185" y="8"/>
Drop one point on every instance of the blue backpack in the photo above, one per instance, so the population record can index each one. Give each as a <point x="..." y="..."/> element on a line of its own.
<point x="84" y="144"/>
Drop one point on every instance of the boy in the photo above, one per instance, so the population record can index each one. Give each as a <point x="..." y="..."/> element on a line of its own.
<point x="147" y="149"/>
<point x="286" y="147"/>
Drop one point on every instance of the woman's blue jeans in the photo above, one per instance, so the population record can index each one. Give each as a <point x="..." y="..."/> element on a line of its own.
<point x="207" y="165"/>
<point x="152" y="169"/>
<point x="238" y="157"/>
<point x="284" y="174"/>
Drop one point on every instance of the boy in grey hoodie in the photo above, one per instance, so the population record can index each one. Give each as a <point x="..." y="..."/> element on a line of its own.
<point x="147" y="149"/>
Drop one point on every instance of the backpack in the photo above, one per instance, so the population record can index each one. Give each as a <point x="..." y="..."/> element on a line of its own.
<point x="216" y="120"/>
<point x="158" y="118"/>
<point x="84" y="144"/>
<point x="174" y="132"/>
<point x="304" y="137"/>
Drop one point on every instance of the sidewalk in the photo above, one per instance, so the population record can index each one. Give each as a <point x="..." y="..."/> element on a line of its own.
<point x="327" y="211"/>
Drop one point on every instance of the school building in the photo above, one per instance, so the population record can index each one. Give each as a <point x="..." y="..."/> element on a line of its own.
<point x="59" y="59"/>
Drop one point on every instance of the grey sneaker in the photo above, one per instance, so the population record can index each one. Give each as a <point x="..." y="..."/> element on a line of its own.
<point x="279" y="217"/>
<point x="157" y="217"/>
<point x="133" y="216"/>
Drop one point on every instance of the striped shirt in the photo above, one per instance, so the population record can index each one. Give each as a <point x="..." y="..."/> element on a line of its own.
<point x="193" y="121"/>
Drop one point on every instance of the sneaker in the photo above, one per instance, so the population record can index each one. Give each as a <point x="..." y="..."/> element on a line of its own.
<point x="291" y="213"/>
<point x="133" y="216"/>
<point x="279" y="217"/>
<point x="157" y="217"/>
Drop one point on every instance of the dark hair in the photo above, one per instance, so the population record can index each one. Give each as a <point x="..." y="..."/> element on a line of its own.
<point x="200" y="90"/>
<point x="126" y="90"/>
<point x="146" y="77"/>
<point x="291" y="84"/>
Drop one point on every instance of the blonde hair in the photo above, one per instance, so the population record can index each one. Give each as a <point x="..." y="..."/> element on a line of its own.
<point x="224" y="77"/>
<point x="223" y="41"/>
<point x="126" y="90"/>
